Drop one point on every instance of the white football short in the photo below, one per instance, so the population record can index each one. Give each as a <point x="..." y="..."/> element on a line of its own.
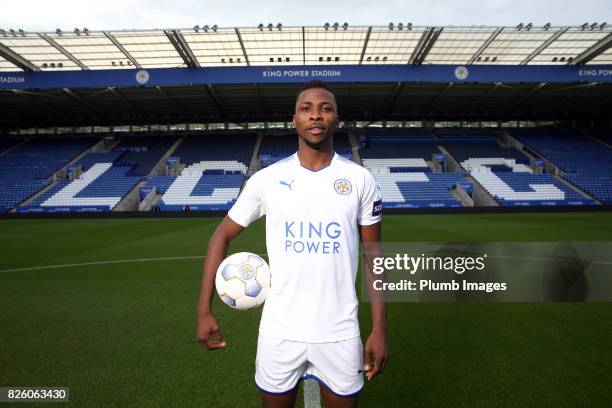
<point x="280" y="364"/>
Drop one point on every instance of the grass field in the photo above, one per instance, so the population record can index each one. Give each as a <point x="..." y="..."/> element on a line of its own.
<point x="107" y="307"/>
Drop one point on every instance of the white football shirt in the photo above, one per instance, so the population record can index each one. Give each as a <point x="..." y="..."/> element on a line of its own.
<point x="312" y="220"/>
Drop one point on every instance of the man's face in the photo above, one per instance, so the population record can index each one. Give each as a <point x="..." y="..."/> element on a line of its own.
<point x="315" y="117"/>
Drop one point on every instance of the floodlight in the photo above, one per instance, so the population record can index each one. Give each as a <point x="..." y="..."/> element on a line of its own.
<point x="2" y="32"/>
<point x="206" y="28"/>
<point x="326" y="26"/>
<point x="12" y="32"/>
<point x="58" y="32"/>
<point x="260" y="26"/>
<point x="519" y="27"/>
<point x="21" y="32"/>
<point x="196" y="28"/>
<point x="77" y="31"/>
<point x="409" y="26"/>
<point x="400" y="26"/>
<point x="584" y="26"/>
<point x="528" y="26"/>
<point x="593" y="26"/>
<point x="345" y="26"/>
<point x="336" y="25"/>
<point x="86" y="31"/>
<point x="215" y="27"/>
<point x="270" y="26"/>
<point x="390" y="26"/>
<point x="546" y="26"/>
<point x="603" y="25"/>
<point x="279" y="26"/>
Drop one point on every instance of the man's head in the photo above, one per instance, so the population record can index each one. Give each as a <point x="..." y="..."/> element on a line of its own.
<point x="315" y="118"/>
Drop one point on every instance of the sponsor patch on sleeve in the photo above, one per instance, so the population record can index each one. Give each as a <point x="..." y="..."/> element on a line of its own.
<point x="377" y="208"/>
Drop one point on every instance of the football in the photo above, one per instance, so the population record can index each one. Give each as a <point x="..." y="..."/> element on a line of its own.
<point x="243" y="280"/>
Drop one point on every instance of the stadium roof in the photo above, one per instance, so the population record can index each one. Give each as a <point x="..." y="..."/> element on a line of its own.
<point x="335" y="44"/>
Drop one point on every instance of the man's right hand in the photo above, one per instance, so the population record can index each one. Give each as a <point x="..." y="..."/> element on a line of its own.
<point x="208" y="333"/>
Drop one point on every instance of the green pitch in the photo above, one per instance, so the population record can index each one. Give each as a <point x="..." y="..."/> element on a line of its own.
<point x="107" y="307"/>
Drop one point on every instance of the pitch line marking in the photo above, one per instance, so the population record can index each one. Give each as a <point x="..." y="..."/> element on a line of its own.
<point x="42" y="267"/>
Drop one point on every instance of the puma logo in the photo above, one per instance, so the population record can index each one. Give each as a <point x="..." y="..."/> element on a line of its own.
<point x="284" y="183"/>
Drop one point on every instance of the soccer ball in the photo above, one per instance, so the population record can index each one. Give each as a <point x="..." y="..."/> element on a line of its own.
<point x="243" y="280"/>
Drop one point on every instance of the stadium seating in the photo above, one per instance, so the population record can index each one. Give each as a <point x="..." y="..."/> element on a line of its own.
<point x="584" y="162"/>
<point x="277" y="147"/>
<point x="7" y="144"/>
<point x="98" y="157"/>
<point x="216" y="147"/>
<point x="215" y="171"/>
<point x="100" y="188"/>
<point x="505" y="174"/>
<point x="399" y="165"/>
<point x="26" y="169"/>
<point x="142" y="153"/>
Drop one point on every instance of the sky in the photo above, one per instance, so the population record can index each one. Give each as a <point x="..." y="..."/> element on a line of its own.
<point x="47" y="15"/>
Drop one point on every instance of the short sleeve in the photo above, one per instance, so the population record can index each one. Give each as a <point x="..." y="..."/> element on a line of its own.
<point x="250" y="205"/>
<point x="370" y="211"/>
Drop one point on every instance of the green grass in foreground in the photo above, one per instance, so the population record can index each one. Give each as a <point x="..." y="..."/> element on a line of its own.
<point x="121" y="334"/>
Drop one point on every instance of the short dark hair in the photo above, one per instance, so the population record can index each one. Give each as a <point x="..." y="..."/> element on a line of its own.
<point x="315" y="83"/>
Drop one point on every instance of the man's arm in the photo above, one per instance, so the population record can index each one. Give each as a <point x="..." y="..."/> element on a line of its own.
<point x="376" y="353"/>
<point x="217" y="251"/>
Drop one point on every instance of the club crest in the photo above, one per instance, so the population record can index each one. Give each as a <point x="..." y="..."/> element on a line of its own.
<point x="343" y="186"/>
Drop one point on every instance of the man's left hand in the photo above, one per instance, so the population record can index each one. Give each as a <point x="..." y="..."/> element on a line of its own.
<point x="376" y="353"/>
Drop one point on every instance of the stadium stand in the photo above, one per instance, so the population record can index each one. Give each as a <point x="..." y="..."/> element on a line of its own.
<point x="108" y="177"/>
<point x="98" y="157"/>
<point x="399" y="164"/>
<point x="277" y="147"/>
<point x="215" y="169"/>
<point x="143" y="153"/>
<point x="584" y="162"/>
<point x="100" y="188"/>
<point x="26" y="169"/>
<point x="504" y="172"/>
<point x="7" y="144"/>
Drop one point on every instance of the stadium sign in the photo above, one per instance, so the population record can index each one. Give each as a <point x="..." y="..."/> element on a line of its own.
<point x="300" y="74"/>
<point x="12" y="80"/>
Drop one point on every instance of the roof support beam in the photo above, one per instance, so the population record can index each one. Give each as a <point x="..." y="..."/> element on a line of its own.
<point x="427" y="41"/>
<point x="304" y="44"/>
<point x="579" y="89"/>
<point x="32" y="98"/>
<point x="526" y="96"/>
<point x="171" y="99"/>
<point x="397" y="91"/>
<point x="181" y="46"/>
<point x="599" y="47"/>
<point x="261" y="106"/>
<point x="16" y="59"/>
<point x="122" y="48"/>
<point x="246" y="57"/>
<point x="64" y="51"/>
<point x="215" y="99"/>
<point x="121" y="97"/>
<point x="543" y="46"/>
<point x="484" y="46"/>
<point x="365" y="44"/>
<point x="434" y="101"/>
<point x="80" y="101"/>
